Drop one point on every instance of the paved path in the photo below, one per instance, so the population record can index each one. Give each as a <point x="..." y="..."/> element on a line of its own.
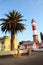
<point x="32" y="60"/>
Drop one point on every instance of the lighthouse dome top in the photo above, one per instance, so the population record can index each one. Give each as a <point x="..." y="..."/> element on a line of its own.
<point x="33" y="20"/>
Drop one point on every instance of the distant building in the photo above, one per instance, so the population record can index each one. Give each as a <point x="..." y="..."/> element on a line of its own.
<point x="30" y="45"/>
<point x="26" y="45"/>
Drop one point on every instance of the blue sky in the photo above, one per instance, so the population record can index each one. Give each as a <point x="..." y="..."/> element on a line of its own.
<point x="29" y="9"/>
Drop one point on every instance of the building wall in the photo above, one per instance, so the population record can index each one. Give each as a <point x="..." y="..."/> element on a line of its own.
<point x="15" y="43"/>
<point x="7" y="44"/>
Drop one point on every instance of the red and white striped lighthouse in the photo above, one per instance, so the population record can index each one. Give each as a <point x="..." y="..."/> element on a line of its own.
<point x="35" y="35"/>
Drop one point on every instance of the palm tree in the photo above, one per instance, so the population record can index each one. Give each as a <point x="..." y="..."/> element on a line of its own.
<point x="12" y="23"/>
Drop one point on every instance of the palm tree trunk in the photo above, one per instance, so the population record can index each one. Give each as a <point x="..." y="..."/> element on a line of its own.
<point x="12" y="40"/>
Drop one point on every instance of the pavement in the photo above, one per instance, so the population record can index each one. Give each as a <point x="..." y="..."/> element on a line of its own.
<point x="22" y="60"/>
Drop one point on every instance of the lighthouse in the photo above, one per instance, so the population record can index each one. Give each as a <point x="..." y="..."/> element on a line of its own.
<point x="35" y="35"/>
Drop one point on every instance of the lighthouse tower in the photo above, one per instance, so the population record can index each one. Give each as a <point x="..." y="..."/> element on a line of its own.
<point x="35" y="35"/>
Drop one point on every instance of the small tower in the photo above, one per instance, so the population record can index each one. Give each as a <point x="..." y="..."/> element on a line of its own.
<point x="41" y="36"/>
<point x="35" y="35"/>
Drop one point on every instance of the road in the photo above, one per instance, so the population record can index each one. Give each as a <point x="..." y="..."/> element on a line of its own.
<point x="22" y="60"/>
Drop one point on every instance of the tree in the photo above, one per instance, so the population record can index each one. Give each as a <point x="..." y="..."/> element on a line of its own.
<point x="12" y="24"/>
<point x="21" y="42"/>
